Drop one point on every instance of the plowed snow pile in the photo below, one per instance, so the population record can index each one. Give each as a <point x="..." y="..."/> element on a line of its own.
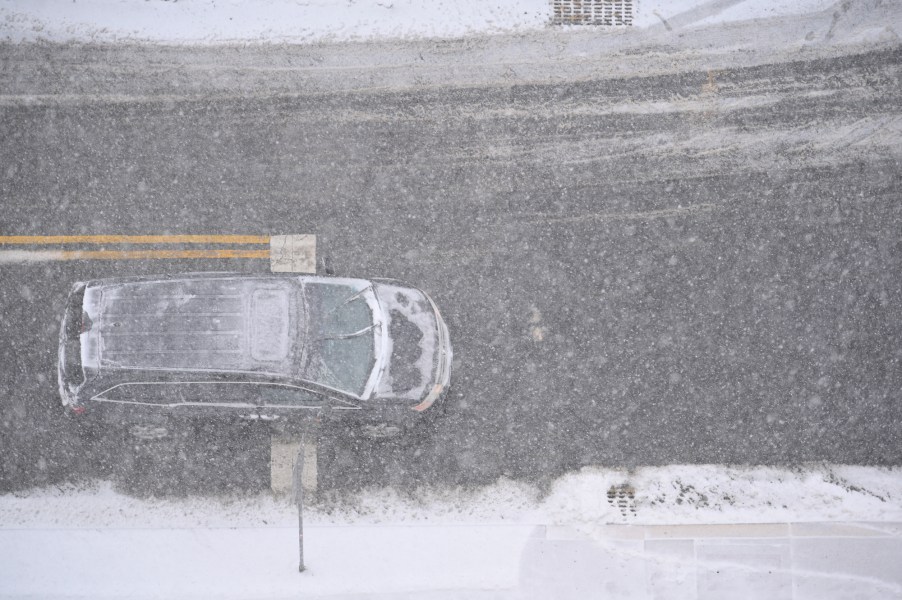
<point x="593" y="496"/>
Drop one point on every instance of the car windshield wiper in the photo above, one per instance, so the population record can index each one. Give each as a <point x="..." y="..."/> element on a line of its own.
<point x="345" y="336"/>
<point x="351" y="298"/>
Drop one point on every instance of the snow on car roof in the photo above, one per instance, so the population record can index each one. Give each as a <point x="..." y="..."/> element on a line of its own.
<point x="218" y="324"/>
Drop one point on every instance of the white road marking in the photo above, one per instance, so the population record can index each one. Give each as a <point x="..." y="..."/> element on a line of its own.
<point x="292" y="253"/>
<point x="283" y="452"/>
<point x="30" y="256"/>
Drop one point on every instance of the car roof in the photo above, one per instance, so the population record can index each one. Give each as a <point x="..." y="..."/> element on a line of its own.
<point x="222" y="324"/>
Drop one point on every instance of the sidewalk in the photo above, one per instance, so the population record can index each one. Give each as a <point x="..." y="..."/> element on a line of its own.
<point x="768" y="561"/>
<point x="773" y="561"/>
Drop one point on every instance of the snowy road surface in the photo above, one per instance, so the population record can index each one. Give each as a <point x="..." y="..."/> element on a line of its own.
<point x="663" y="246"/>
<point x="696" y="267"/>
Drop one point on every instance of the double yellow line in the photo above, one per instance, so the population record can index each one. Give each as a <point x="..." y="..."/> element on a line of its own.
<point x="18" y="256"/>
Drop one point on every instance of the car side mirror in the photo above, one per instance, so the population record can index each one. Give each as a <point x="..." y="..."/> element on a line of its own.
<point x="325" y="266"/>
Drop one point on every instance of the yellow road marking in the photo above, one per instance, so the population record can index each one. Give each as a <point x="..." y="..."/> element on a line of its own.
<point x="17" y="256"/>
<point x="133" y="239"/>
<point x="286" y="253"/>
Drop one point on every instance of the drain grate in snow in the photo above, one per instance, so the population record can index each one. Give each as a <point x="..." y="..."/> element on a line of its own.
<point x="592" y="12"/>
<point x="623" y="496"/>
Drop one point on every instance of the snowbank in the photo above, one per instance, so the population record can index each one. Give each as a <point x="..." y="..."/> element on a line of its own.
<point x="681" y="494"/>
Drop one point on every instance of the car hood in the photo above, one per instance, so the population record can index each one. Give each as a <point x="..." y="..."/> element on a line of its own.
<point x="412" y="343"/>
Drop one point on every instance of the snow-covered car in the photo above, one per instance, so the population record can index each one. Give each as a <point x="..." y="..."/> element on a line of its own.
<point x="142" y="351"/>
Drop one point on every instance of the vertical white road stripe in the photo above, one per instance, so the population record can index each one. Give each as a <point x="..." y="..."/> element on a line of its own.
<point x="292" y="253"/>
<point x="283" y="452"/>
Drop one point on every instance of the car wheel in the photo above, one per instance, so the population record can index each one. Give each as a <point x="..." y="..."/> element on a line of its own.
<point x="133" y="469"/>
<point x="146" y="461"/>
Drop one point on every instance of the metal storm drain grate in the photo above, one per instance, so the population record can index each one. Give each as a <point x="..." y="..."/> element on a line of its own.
<point x="592" y="12"/>
<point x="623" y="496"/>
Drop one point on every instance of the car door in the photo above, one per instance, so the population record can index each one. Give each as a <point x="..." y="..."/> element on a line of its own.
<point x="138" y="402"/>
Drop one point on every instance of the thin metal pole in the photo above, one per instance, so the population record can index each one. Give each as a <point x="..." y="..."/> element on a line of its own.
<point x="299" y="498"/>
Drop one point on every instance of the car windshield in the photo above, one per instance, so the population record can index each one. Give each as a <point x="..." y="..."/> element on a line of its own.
<point x="341" y="340"/>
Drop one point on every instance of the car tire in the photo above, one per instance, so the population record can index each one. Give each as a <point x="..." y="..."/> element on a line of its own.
<point x="147" y="461"/>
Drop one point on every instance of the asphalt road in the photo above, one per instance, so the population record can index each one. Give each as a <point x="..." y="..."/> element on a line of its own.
<point x="697" y="267"/>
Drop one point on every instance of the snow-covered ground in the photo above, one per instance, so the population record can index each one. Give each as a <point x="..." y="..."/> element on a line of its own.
<point x="673" y="495"/>
<point x="652" y="532"/>
<point x="302" y="21"/>
<point x="667" y="532"/>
